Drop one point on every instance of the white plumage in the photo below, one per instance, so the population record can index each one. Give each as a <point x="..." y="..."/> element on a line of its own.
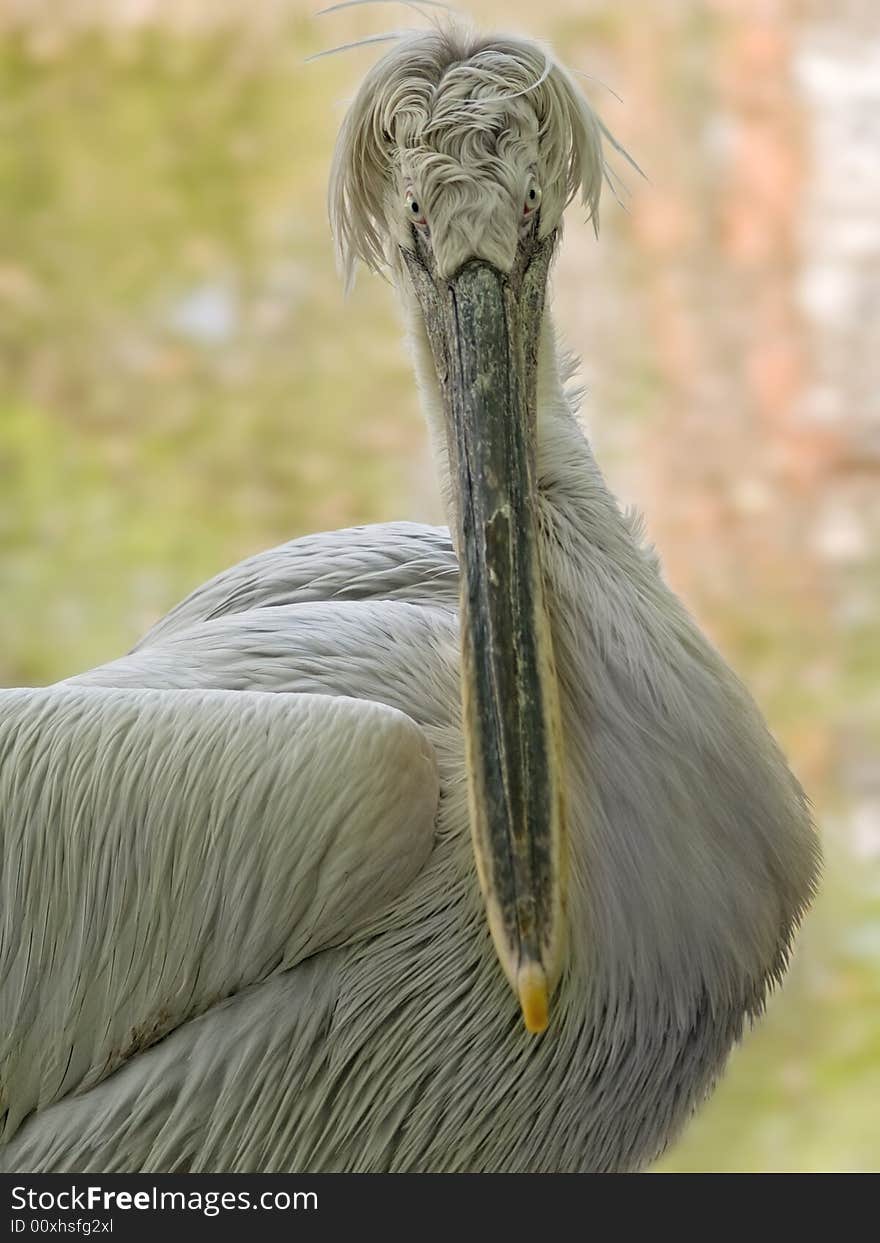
<point x="242" y="930"/>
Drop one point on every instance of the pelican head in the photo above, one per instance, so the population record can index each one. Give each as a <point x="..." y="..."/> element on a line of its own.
<point x="453" y="168"/>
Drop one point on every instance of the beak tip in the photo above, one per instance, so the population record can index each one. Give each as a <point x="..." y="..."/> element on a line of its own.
<point x="534" y="997"/>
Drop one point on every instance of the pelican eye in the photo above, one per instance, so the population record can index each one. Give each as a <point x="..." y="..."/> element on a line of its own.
<point x="414" y="207"/>
<point x="532" y="199"/>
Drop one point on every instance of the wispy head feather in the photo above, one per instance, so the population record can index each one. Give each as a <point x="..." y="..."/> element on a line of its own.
<point x="463" y="119"/>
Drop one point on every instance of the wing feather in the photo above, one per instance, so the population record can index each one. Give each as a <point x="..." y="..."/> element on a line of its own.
<point x="161" y="850"/>
<point x="404" y="561"/>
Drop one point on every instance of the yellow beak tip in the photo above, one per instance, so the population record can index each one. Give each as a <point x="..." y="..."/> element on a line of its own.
<point x="534" y="999"/>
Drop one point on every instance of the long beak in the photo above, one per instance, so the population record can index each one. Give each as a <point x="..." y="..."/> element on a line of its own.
<point x="487" y="366"/>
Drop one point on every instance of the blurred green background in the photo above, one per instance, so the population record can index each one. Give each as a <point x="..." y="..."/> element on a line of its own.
<point x="182" y="384"/>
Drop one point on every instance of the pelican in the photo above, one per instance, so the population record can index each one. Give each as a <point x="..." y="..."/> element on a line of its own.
<point x="405" y="848"/>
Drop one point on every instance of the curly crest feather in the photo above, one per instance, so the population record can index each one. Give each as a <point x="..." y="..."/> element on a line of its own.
<point x="462" y="118"/>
